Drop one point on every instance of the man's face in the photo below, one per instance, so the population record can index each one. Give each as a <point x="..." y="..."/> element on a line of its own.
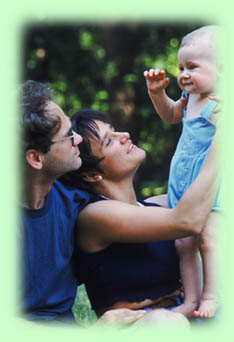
<point x="64" y="154"/>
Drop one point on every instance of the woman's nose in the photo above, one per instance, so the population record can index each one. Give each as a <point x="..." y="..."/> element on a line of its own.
<point x="124" y="137"/>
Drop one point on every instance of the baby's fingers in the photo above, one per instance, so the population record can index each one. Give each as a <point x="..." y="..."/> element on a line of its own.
<point x="215" y="98"/>
<point x="219" y="107"/>
<point x="155" y="74"/>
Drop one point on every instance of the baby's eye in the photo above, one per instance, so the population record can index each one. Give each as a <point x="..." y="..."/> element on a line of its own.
<point x="191" y="66"/>
<point x="181" y="68"/>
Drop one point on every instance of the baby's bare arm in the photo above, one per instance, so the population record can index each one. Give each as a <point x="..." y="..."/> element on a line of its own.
<point x="169" y="110"/>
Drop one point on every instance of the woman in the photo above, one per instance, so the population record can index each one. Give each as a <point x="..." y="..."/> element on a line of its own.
<point x="126" y="249"/>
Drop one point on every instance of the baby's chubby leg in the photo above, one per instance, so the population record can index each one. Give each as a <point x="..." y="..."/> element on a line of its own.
<point x="208" y="250"/>
<point x="190" y="269"/>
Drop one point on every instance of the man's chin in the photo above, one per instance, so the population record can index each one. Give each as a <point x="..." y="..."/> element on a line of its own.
<point x="79" y="163"/>
<point x="75" y="166"/>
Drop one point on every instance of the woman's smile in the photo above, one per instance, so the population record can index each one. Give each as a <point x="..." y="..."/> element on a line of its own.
<point x="131" y="147"/>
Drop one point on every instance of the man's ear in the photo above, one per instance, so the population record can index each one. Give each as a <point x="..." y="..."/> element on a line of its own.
<point x="34" y="159"/>
<point x="92" y="177"/>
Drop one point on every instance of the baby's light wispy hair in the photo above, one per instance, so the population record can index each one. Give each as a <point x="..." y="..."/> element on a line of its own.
<point x="213" y="35"/>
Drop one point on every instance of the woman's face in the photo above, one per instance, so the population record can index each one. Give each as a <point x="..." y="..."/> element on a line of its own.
<point x="121" y="156"/>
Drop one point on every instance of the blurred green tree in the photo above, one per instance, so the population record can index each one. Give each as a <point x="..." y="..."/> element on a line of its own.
<point x="101" y="66"/>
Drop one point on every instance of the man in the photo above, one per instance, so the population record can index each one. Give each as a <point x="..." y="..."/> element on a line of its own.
<point x="50" y="275"/>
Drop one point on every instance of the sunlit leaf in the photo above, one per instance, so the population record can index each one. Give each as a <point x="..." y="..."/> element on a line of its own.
<point x="85" y="39"/>
<point x="130" y="78"/>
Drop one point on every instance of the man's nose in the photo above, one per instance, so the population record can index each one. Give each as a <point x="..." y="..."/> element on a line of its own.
<point x="77" y="139"/>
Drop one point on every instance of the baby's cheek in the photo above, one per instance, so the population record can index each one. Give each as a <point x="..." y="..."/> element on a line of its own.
<point x="179" y="82"/>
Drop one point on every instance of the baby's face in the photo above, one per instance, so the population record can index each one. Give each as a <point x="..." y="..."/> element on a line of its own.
<point x="198" y="74"/>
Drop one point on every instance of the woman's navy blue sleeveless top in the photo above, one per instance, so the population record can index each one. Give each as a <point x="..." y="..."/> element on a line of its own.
<point x="129" y="271"/>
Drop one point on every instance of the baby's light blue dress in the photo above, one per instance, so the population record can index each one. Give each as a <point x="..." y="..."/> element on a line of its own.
<point x="191" y="152"/>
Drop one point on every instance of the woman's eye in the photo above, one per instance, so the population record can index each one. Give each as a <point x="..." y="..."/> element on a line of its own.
<point x="108" y="142"/>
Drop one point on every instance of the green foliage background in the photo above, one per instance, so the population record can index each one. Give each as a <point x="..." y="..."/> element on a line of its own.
<point x="100" y="66"/>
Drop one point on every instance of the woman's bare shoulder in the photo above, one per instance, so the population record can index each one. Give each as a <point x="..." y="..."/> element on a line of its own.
<point x="101" y="223"/>
<point x="99" y="214"/>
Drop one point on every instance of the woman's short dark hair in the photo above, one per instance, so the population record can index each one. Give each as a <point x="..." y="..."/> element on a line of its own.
<point x="84" y="124"/>
<point x="38" y="128"/>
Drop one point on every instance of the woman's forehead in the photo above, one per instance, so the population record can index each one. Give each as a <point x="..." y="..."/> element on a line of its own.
<point x="103" y="125"/>
<point x="103" y="128"/>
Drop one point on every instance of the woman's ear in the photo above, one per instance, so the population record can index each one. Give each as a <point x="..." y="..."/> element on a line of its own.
<point x="91" y="177"/>
<point x="34" y="159"/>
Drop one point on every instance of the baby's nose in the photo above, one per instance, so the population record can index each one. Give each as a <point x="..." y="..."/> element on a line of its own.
<point x="186" y="73"/>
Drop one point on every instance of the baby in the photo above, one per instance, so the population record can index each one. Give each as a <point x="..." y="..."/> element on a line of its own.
<point x="199" y="73"/>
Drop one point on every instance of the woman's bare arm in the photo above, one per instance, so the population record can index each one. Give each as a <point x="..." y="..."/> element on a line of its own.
<point x="108" y="221"/>
<point x="159" y="199"/>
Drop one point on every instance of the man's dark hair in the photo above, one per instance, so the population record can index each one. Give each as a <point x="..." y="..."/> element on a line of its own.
<point x="84" y="124"/>
<point x="38" y="128"/>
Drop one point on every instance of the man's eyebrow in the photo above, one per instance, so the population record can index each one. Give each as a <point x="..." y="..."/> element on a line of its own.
<point x="69" y="130"/>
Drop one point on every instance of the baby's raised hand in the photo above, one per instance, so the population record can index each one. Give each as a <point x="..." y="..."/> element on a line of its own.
<point x="156" y="80"/>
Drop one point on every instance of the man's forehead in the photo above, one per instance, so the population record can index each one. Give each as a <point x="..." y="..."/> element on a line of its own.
<point x="52" y="108"/>
<point x="56" y="112"/>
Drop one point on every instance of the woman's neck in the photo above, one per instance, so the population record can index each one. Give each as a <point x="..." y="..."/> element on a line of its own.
<point x="120" y="191"/>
